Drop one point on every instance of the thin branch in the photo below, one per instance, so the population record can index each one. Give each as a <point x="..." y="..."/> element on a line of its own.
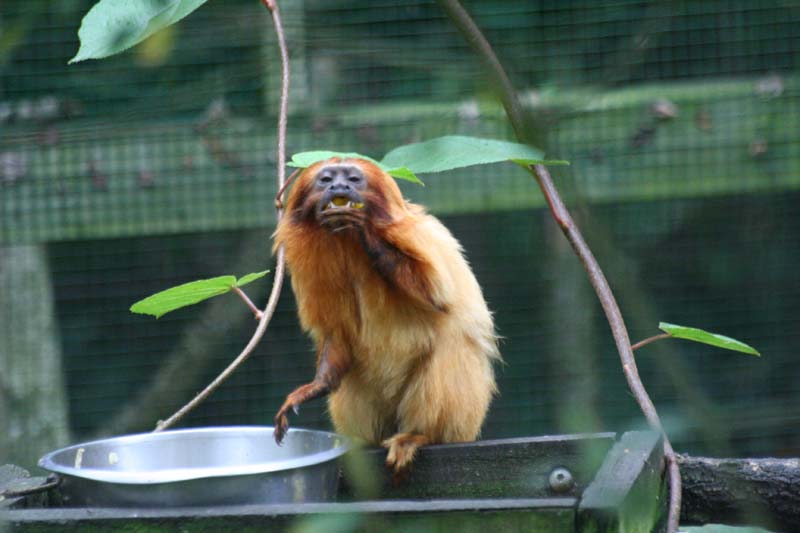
<point x="648" y="340"/>
<point x="463" y="21"/>
<point x="277" y="281"/>
<point x="192" y="354"/>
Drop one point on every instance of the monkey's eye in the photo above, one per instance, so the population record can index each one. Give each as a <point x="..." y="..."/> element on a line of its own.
<point x="325" y="179"/>
<point x="354" y="179"/>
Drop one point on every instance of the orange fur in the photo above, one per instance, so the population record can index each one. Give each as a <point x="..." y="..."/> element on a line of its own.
<point x="396" y="298"/>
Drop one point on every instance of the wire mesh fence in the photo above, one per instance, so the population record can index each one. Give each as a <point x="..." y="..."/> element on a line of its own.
<point x="155" y="167"/>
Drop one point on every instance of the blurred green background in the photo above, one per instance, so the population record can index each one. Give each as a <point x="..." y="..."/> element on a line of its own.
<point x="124" y="176"/>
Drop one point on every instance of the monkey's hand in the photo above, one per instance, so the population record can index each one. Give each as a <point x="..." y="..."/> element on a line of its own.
<point x="406" y="267"/>
<point x="292" y="403"/>
<point x="331" y="366"/>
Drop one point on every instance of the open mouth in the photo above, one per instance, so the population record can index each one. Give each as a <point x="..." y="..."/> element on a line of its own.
<point x="342" y="202"/>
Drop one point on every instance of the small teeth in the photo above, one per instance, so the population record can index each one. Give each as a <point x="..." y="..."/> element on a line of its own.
<point x="339" y="202"/>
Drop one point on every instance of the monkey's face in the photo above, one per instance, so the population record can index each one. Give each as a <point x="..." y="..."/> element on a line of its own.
<point x="339" y="189"/>
<point x="342" y="194"/>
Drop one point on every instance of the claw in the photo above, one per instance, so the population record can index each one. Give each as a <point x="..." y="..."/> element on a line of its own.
<point x="281" y="428"/>
<point x="309" y="391"/>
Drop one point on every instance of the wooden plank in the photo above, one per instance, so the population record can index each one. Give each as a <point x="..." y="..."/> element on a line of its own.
<point x="628" y="492"/>
<point x="109" y="180"/>
<point x="507" y="468"/>
<point x="552" y="515"/>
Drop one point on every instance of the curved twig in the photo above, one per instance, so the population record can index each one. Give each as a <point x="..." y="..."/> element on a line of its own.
<point x="648" y="340"/>
<point x="463" y="21"/>
<point x="277" y="282"/>
<point x="619" y="332"/>
<point x="279" y="196"/>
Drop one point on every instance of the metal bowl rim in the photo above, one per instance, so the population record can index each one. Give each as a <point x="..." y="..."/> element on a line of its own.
<point x="186" y="474"/>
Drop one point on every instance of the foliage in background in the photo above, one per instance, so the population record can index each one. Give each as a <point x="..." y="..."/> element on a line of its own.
<point x="113" y="26"/>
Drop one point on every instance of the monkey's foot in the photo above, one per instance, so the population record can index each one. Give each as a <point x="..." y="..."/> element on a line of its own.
<point x="402" y="449"/>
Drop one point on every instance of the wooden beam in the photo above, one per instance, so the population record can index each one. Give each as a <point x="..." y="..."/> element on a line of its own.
<point x="506" y="468"/>
<point x="477" y="516"/>
<point x="756" y="492"/>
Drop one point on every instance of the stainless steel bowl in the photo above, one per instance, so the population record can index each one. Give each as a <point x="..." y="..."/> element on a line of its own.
<point x="200" y="467"/>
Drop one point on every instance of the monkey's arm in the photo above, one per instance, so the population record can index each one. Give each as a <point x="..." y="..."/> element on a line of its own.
<point x="332" y="363"/>
<point x="409" y="264"/>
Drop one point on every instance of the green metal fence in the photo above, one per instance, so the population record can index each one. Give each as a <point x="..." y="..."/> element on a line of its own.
<point x="127" y="175"/>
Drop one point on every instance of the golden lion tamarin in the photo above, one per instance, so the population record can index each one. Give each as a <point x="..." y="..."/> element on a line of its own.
<point x="405" y="342"/>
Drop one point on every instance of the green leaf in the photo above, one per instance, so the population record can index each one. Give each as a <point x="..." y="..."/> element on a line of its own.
<point x="187" y="294"/>
<point x="705" y="337"/>
<point x="457" y="151"/>
<point x="112" y="26"/>
<point x="248" y="278"/>
<point x="438" y="155"/>
<point x="306" y="159"/>
<point x="404" y="173"/>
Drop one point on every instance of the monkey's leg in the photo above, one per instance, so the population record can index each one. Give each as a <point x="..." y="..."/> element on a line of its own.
<point x="445" y="401"/>
<point x="331" y="366"/>
<point x="402" y="449"/>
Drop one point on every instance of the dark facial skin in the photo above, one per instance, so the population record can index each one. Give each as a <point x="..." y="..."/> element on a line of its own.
<point x="340" y="188"/>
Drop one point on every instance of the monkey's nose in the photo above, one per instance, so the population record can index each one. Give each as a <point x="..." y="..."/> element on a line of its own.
<point x="340" y="188"/>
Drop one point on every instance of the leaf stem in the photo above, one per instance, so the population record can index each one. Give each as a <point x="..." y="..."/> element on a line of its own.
<point x="473" y="35"/>
<point x="277" y="281"/>
<point x="648" y="340"/>
<point x="256" y="311"/>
